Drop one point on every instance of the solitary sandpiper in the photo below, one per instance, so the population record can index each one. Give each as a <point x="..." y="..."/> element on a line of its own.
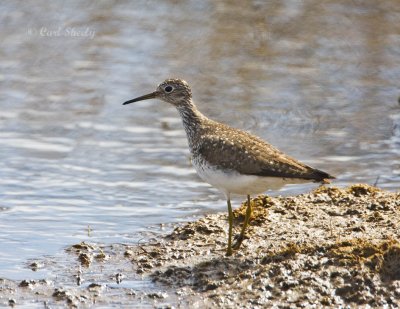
<point x="232" y="160"/>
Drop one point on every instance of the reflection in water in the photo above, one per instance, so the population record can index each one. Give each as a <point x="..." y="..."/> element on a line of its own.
<point x="317" y="79"/>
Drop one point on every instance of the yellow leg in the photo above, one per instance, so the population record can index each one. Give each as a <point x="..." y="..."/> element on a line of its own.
<point x="245" y="224"/>
<point x="230" y="220"/>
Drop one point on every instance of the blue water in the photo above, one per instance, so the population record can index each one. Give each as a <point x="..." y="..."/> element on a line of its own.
<point x="319" y="81"/>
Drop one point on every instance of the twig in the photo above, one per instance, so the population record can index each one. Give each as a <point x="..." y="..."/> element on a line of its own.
<point x="376" y="181"/>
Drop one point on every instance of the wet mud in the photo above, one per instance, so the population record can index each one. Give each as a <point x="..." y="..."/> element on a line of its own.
<point x="331" y="247"/>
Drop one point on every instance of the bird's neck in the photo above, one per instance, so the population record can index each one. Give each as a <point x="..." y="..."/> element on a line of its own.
<point x="192" y="119"/>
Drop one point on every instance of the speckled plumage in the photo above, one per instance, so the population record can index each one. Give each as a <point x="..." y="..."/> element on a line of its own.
<point x="229" y="148"/>
<point x="230" y="159"/>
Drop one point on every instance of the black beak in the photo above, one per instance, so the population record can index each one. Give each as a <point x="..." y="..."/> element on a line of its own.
<point x="143" y="97"/>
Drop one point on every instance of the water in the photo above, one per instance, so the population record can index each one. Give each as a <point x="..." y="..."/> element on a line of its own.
<point x="317" y="79"/>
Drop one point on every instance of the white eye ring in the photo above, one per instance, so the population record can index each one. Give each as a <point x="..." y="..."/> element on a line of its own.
<point x="168" y="89"/>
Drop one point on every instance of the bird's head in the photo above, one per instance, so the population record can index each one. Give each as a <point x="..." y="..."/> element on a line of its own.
<point x="173" y="91"/>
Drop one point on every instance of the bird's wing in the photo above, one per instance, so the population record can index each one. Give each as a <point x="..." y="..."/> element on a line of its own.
<point x="250" y="155"/>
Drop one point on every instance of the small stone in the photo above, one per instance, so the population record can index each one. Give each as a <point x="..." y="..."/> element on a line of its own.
<point x="128" y="253"/>
<point x="26" y="283"/>
<point x="85" y="259"/>
<point x="34" y="266"/>
<point x="158" y="295"/>
<point x="94" y="287"/>
<point x="60" y="293"/>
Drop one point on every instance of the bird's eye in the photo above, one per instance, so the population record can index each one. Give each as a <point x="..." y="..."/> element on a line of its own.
<point x="168" y="89"/>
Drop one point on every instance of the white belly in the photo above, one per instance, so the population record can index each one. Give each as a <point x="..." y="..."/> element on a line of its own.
<point x="233" y="182"/>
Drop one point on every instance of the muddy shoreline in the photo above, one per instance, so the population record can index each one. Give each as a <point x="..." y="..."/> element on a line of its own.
<point x="330" y="247"/>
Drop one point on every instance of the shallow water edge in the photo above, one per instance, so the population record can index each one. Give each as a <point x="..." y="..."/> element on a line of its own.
<point x="329" y="247"/>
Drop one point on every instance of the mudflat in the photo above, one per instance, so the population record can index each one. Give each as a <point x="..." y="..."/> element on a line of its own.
<point x="330" y="247"/>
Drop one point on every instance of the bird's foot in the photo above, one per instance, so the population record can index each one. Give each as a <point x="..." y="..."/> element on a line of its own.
<point x="238" y="242"/>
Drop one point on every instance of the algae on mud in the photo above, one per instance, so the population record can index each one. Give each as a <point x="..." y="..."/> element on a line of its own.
<point x="330" y="247"/>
